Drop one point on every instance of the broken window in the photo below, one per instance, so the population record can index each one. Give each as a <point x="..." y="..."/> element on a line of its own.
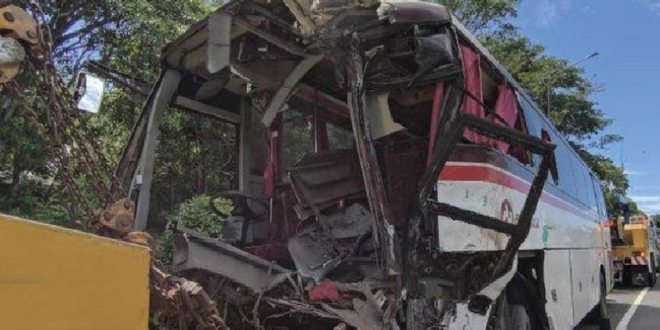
<point x="297" y="137"/>
<point x="339" y="138"/>
<point x="553" y="168"/>
<point x="490" y="96"/>
<point x="473" y="84"/>
<point x="196" y="155"/>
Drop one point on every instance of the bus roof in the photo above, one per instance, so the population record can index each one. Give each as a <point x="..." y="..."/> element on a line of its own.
<point x="198" y="34"/>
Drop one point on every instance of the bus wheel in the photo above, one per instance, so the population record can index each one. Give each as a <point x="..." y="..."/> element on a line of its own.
<point x="514" y="309"/>
<point x="652" y="274"/>
<point x="510" y="316"/>
<point x="599" y="314"/>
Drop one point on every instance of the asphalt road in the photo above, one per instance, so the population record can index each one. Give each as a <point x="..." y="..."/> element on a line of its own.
<point x="634" y="308"/>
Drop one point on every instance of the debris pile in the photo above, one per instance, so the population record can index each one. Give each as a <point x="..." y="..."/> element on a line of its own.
<point x="336" y="280"/>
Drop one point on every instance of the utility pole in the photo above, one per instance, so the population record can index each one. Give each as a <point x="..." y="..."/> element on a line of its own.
<point x="554" y="75"/>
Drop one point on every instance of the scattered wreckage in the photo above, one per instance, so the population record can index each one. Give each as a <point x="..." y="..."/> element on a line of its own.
<point x="345" y="237"/>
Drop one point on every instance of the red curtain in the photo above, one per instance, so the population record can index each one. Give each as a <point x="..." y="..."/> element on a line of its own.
<point x="506" y="106"/>
<point x="472" y="73"/>
<point x="507" y="109"/>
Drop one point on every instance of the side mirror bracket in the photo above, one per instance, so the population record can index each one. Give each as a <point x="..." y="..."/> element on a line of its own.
<point x="89" y="92"/>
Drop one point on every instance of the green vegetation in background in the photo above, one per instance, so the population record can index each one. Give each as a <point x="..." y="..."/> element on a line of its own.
<point x="129" y="35"/>
<point x="195" y="214"/>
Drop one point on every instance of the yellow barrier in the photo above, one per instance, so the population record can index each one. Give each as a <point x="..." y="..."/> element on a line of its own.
<point x="58" y="279"/>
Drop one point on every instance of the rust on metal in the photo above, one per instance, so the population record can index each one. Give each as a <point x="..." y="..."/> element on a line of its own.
<point x="118" y="217"/>
<point x="19" y="23"/>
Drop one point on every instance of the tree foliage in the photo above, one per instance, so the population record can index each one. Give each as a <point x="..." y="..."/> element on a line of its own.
<point x="483" y="16"/>
<point x="125" y="35"/>
<point x="196" y="154"/>
<point x="195" y="214"/>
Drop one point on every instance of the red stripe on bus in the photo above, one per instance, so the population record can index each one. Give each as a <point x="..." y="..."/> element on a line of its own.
<point x="478" y="173"/>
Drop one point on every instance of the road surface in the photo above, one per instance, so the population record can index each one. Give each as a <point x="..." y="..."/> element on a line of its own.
<point x="634" y="308"/>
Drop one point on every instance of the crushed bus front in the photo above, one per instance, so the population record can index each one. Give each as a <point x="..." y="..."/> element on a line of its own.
<point x="356" y="230"/>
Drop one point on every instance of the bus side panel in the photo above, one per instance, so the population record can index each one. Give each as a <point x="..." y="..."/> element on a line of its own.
<point x="486" y="198"/>
<point x="556" y="225"/>
<point x="585" y="272"/>
<point x="559" y="296"/>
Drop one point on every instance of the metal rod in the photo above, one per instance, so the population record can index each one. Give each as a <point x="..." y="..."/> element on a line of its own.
<point x="553" y="75"/>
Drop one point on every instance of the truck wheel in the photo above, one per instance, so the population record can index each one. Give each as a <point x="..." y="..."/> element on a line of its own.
<point x="626" y="275"/>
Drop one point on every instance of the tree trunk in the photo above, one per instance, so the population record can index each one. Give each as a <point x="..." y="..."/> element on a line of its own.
<point x="8" y="108"/>
<point x="15" y="179"/>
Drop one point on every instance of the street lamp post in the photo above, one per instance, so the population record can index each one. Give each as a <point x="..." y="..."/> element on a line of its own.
<point x="553" y="75"/>
<point x="624" y="160"/>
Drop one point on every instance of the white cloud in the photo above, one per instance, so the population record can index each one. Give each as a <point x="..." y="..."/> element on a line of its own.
<point x="634" y="173"/>
<point x="652" y="208"/>
<point x="655" y="7"/>
<point x="647" y="203"/>
<point x="644" y="188"/>
<point x="645" y="199"/>
<point x="588" y="10"/>
<point x="549" y="11"/>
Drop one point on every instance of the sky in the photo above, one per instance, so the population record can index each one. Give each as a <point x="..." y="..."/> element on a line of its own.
<point x="626" y="34"/>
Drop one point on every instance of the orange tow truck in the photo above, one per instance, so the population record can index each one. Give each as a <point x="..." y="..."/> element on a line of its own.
<point x="635" y="250"/>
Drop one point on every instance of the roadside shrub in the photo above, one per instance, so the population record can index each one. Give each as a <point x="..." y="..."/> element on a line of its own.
<point x="195" y="214"/>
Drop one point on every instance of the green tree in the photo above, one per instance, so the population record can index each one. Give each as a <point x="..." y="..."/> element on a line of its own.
<point x="483" y="17"/>
<point x="128" y="36"/>
<point x="125" y="35"/>
<point x="195" y="214"/>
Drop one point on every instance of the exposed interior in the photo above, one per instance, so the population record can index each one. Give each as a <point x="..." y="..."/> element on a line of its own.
<point x="317" y="195"/>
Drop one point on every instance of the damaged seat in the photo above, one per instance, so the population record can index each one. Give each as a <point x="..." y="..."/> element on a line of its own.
<point x="247" y="211"/>
<point x="321" y="180"/>
<point x="329" y="186"/>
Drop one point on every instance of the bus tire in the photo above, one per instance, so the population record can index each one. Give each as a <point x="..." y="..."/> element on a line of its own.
<point x="515" y="309"/>
<point x="510" y="316"/>
<point x="598" y="315"/>
<point x="652" y="274"/>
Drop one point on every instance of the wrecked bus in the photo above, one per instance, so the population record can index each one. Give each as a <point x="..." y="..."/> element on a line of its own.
<point x="434" y="193"/>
